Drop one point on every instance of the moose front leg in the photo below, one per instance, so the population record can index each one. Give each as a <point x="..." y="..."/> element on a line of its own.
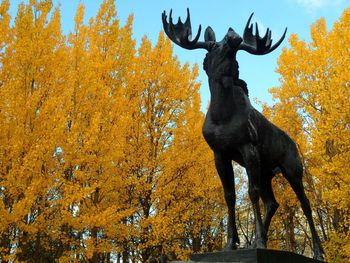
<point x="224" y="168"/>
<point x="252" y="164"/>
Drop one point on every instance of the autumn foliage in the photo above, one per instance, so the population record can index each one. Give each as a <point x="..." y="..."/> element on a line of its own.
<point x="313" y="106"/>
<point x="101" y="152"/>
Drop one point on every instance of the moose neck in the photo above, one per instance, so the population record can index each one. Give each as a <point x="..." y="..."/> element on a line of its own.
<point x="227" y="97"/>
<point x="221" y="102"/>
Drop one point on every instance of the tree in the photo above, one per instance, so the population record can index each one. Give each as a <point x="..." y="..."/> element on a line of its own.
<point x="101" y="153"/>
<point x="33" y="62"/>
<point x="92" y="198"/>
<point x="315" y="81"/>
<point x="166" y="156"/>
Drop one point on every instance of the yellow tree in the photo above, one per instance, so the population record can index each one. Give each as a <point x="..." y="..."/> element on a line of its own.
<point x="101" y="153"/>
<point x="93" y="189"/>
<point x="34" y="62"/>
<point x="61" y="121"/>
<point x="166" y="157"/>
<point x="315" y="78"/>
<point x="163" y="92"/>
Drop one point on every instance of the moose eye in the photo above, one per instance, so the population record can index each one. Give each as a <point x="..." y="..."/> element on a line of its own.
<point x="212" y="46"/>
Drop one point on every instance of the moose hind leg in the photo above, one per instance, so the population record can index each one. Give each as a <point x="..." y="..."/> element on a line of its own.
<point x="268" y="198"/>
<point x="225" y="171"/>
<point x="294" y="177"/>
<point x="252" y="164"/>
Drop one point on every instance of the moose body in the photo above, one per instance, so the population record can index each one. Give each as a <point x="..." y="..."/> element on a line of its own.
<point x="236" y="131"/>
<point x="228" y="137"/>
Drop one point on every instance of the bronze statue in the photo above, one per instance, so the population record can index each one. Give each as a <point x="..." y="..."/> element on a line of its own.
<point x="235" y="130"/>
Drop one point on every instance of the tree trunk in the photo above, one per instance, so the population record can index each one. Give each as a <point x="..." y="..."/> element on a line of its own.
<point x="196" y="245"/>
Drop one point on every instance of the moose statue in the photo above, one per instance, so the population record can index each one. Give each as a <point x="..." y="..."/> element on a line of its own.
<point x="236" y="131"/>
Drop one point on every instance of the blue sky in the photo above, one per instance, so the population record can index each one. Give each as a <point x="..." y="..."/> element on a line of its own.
<point x="257" y="71"/>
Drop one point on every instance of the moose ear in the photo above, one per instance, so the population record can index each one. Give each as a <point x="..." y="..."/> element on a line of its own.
<point x="209" y="34"/>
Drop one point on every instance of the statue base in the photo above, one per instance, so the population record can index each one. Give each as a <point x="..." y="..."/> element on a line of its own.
<point x="253" y="256"/>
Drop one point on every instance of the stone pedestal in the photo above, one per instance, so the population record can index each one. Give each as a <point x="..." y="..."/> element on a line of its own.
<point x="252" y="256"/>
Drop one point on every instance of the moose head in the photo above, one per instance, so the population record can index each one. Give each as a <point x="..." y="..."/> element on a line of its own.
<point x="221" y="57"/>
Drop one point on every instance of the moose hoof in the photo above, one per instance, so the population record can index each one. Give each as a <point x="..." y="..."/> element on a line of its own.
<point x="260" y="243"/>
<point x="230" y="245"/>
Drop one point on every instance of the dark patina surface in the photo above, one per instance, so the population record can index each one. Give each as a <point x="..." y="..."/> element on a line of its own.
<point x="236" y="131"/>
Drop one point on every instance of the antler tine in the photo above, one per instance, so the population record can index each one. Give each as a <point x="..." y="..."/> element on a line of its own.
<point x="248" y="30"/>
<point x="265" y="41"/>
<point x="181" y="33"/>
<point x="279" y="41"/>
<point x="267" y="38"/>
<point x="255" y="44"/>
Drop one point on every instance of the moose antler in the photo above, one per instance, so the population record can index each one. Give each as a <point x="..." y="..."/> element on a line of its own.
<point x="256" y="45"/>
<point x="181" y="33"/>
